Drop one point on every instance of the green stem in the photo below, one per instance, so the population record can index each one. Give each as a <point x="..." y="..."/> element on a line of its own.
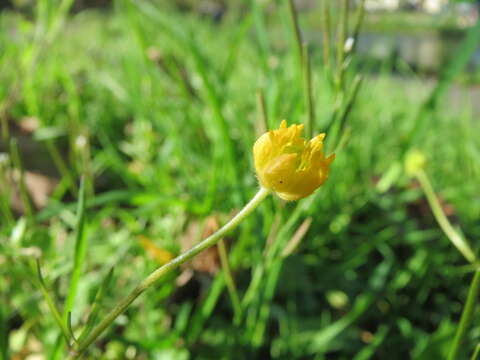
<point x="51" y="303"/>
<point x="61" y="166"/>
<point x="296" y="29"/>
<point x="262" y="110"/>
<point x="309" y="102"/>
<point x="167" y="268"/>
<point x="358" y="23"/>
<point x="467" y="316"/>
<point x="476" y="352"/>
<point x="341" y="38"/>
<point x="457" y="240"/>
<point x="24" y="196"/>
<point x="326" y="33"/>
<point x="229" y="281"/>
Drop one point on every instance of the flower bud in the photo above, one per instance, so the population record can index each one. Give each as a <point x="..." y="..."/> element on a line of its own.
<point x="288" y="164"/>
<point x="414" y="162"/>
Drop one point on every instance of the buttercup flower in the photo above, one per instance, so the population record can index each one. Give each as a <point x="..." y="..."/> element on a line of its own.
<point x="414" y="162"/>
<point x="288" y="164"/>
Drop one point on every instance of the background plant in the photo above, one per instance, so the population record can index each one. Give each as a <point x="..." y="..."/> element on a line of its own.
<point x="157" y="109"/>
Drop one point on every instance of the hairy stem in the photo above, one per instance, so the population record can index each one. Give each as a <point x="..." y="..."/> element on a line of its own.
<point x="165" y="269"/>
<point x="467" y="316"/>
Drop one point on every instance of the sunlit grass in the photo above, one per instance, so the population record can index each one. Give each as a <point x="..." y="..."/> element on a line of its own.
<point x="158" y="110"/>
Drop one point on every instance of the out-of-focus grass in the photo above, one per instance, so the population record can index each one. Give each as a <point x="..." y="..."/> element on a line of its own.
<point x="158" y="110"/>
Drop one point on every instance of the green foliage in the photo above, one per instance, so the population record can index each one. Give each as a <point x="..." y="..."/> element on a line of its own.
<point x="156" y="109"/>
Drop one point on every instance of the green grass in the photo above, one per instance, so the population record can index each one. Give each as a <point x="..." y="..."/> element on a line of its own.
<point x="157" y="110"/>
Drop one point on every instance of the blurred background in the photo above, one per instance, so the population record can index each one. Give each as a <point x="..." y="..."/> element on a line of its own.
<point x="156" y="106"/>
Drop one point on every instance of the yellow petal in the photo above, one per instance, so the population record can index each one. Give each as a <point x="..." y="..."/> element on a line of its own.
<point x="288" y="164"/>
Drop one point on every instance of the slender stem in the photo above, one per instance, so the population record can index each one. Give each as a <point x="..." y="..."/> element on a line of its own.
<point x="5" y="193"/>
<point x="309" y="102"/>
<point x="262" y="112"/>
<point x="296" y="29"/>
<point x="358" y="23"/>
<point x="341" y="38"/>
<point x="229" y="281"/>
<point x="457" y="240"/>
<point x="17" y="162"/>
<point x="167" y="268"/>
<point x="343" y="113"/>
<point x="476" y="352"/>
<point x="5" y="128"/>
<point x="51" y="303"/>
<point x="326" y="33"/>
<point x="61" y="166"/>
<point x="467" y="316"/>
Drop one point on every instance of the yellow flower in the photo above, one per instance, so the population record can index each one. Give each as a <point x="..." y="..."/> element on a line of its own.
<point x="414" y="162"/>
<point x="290" y="165"/>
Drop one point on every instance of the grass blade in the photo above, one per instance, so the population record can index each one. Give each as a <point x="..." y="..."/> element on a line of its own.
<point x="326" y="34"/>
<point x="69" y="326"/>
<point x="341" y="39"/>
<point x="80" y="252"/>
<point x="230" y="281"/>
<point x="467" y="316"/>
<point x="296" y="29"/>
<point x="309" y="102"/>
<point x="262" y="113"/>
<point x="17" y="162"/>
<point x="359" y="15"/>
<point x="51" y="304"/>
<point x="3" y="332"/>
<point x="92" y="318"/>
<point x="454" y="236"/>
<point x="476" y="353"/>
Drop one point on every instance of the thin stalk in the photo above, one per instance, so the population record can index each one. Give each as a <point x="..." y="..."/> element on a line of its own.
<point x="296" y="29"/>
<point x="4" y="333"/>
<point x="17" y="163"/>
<point x="457" y="240"/>
<point x="476" y="353"/>
<point x="229" y="281"/>
<point x="261" y="32"/>
<point x="168" y="268"/>
<point x="307" y="79"/>
<point x="467" y="316"/>
<point x="5" y="193"/>
<point x="79" y="254"/>
<point x="51" y="303"/>
<point x="341" y="38"/>
<point x="358" y="23"/>
<point x="342" y="116"/>
<point x="264" y="307"/>
<point x="262" y="111"/>
<point x="96" y="306"/>
<point x="6" y="211"/>
<point x="326" y="33"/>
<point x="5" y="129"/>
<point x="61" y="166"/>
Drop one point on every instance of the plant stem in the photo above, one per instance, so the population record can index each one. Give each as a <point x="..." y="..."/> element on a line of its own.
<point x="167" y="268"/>
<point x="326" y="33"/>
<point x="229" y="281"/>
<point x="262" y="112"/>
<point x="457" y="240"/>
<point x="61" y="166"/>
<point x="358" y="23"/>
<point x="467" y="316"/>
<point x="341" y="38"/>
<point x="296" y="29"/>
<point x="309" y="102"/>
<point x="476" y="352"/>
<point x="24" y="196"/>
